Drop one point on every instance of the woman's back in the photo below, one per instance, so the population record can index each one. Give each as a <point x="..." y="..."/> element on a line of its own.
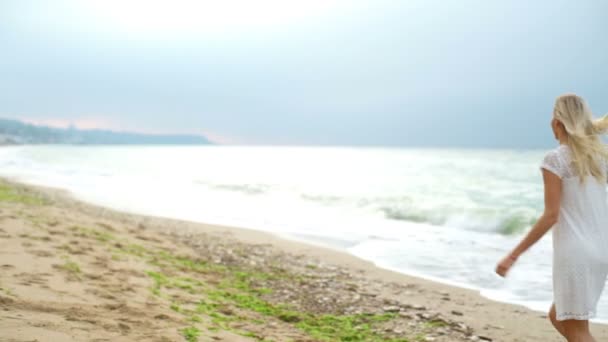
<point x="582" y="226"/>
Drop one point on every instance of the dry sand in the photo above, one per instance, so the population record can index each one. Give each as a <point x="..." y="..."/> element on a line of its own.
<point x="70" y="271"/>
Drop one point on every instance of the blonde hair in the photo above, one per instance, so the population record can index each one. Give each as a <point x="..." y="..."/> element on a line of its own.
<point x="588" y="150"/>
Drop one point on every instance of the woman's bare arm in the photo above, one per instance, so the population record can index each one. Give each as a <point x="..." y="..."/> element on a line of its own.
<point x="553" y="193"/>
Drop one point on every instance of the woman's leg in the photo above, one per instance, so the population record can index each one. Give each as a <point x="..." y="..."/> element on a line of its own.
<point x="577" y="330"/>
<point x="557" y="324"/>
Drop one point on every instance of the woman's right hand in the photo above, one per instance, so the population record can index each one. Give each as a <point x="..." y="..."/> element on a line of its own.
<point x="505" y="265"/>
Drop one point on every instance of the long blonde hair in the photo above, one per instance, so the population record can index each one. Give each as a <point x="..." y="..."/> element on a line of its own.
<point x="588" y="151"/>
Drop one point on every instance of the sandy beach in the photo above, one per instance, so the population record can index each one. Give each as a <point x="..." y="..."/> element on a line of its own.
<point x="71" y="271"/>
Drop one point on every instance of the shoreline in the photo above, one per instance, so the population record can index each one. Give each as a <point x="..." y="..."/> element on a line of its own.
<point x="302" y="240"/>
<point x="316" y="243"/>
<point x="418" y="301"/>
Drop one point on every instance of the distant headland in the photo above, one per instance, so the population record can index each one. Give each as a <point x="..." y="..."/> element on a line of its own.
<point x="15" y="132"/>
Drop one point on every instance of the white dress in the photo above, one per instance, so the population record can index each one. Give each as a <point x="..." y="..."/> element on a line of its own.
<point x="580" y="240"/>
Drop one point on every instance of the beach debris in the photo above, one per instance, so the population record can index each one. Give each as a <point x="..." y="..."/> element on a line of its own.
<point x="318" y="287"/>
<point x="391" y="309"/>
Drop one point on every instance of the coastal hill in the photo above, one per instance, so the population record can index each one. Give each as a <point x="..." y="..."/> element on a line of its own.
<point x="14" y="132"/>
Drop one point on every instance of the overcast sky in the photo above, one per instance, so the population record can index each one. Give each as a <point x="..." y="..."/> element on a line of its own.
<point x="318" y="72"/>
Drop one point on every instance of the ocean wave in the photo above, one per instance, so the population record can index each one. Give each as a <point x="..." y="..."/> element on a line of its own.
<point x="249" y="189"/>
<point x="412" y="216"/>
<point x="516" y="223"/>
<point x="490" y="220"/>
<point x="500" y="219"/>
<point x="322" y="199"/>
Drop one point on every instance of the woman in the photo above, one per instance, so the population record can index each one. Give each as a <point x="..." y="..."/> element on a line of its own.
<point x="574" y="175"/>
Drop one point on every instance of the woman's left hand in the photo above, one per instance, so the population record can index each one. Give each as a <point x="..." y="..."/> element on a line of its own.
<point x="504" y="265"/>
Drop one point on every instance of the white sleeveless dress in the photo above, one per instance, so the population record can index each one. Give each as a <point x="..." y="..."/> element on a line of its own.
<point x="580" y="240"/>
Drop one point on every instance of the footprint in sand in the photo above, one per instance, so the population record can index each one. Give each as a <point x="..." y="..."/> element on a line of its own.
<point x="4" y="234"/>
<point x="124" y="328"/>
<point x="120" y="327"/>
<point x="101" y="294"/>
<point x="42" y="253"/>
<point x="31" y="278"/>
<point x="57" y="232"/>
<point x="52" y="223"/>
<point x="106" y="226"/>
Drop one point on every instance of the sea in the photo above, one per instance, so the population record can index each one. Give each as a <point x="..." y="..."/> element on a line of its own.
<point x="447" y="215"/>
